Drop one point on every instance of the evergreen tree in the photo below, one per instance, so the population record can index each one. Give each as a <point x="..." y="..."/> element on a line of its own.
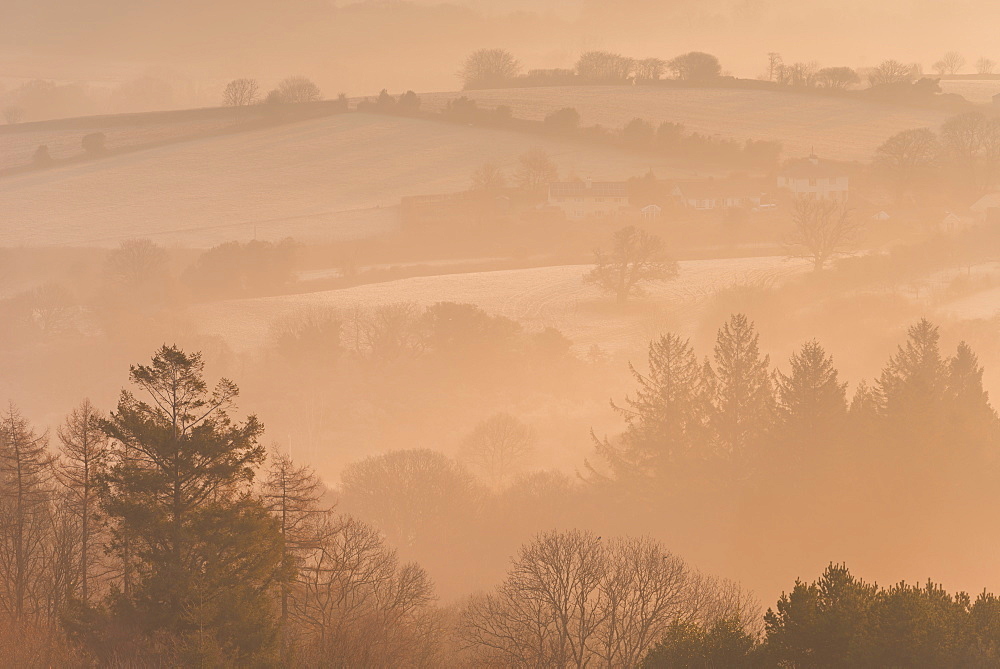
<point x="911" y="388"/>
<point x="812" y="402"/>
<point x="205" y="551"/>
<point x="666" y="418"/>
<point x="743" y="396"/>
<point x="822" y="624"/>
<point x="972" y="420"/>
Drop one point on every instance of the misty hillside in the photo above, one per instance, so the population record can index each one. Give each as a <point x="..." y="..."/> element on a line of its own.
<point x="336" y="177"/>
<point x="837" y="128"/>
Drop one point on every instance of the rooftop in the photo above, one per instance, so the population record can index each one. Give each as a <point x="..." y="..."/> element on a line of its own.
<point x="812" y="168"/>
<point x="588" y="189"/>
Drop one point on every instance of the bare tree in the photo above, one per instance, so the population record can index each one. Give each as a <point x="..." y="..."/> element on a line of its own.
<point x="25" y="516"/>
<point x="985" y="66"/>
<point x="775" y="66"/>
<point x="649" y="69"/>
<point x="136" y="264"/>
<point x="906" y="158"/>
<point x="292" y="493"/>
<point x="604" y="66"/>
<point x="241" y="93"/>
<point x="636" y="257"/>
<point x="13" y="114"/>
<point x="84" y="451"/>
<point x="971" y="143"/>
<point x="535" y="170"/>
<point x="695" y="66"/>
<point x="294" y="90"/>
<point x="823" y="229"/>
<point x="890" y="72"/>
<point x="386" y="332"/>
<point x="837" y="78"/>
<point x="497" y="447"/>
<point x="354" y="592"/>
<point x="488" y="177"/>
<point x="950" y="63"/>
<point x="571" y="599"/>
<point x="489" y="67"/>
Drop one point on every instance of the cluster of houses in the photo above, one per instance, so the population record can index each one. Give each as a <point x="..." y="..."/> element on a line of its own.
<point x="810" y="178"/>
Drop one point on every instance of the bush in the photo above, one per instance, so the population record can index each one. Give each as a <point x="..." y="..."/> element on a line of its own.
<point x="566" y="119"/>
<point x="42" y="157"/>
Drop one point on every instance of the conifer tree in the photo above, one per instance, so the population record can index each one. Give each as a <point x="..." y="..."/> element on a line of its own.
<point x="911" y="389"/>
<point x="743" y="395"/>
<point x="812" y="402"/>
<point x="666" y="417"/>
<point x="205" y="551"/>
<point x="972" y="418"/>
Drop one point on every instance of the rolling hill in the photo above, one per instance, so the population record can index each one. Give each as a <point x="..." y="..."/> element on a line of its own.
<point x="839" y="128"/>
<point x="333" y="177"/>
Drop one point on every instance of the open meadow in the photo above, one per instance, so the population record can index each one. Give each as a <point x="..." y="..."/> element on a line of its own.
<point x="837" y="128"/>
<point x="330" y="178"/>
<point x="537" y="298"/>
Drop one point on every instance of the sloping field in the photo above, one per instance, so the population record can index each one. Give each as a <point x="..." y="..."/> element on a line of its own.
<point x="973" y="90"/>
<point x="838" y="128"/>
<point x="18" y="143"/>
<point x="333" y="177"/>
<point x="538" y="298"/>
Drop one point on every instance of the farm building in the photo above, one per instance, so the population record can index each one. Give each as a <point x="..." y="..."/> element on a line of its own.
<point x="815" y="179"/>
<point x="722" y="193"/>
<point x="987" y="207"/>
<point x="579" y="200"/>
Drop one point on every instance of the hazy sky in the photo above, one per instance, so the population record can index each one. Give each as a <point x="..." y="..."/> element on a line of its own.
<point x="361" y="47"/>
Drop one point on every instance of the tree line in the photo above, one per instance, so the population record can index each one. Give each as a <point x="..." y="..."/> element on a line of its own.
<point x="162" y="532"/>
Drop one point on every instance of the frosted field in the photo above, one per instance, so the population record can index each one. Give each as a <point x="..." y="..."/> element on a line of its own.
<point x="839" y="128"/>
<point x="538" y="298"/>
<point x="18" y="145"/>
<point x="336" y="177"/>
<point x="973" y="90"/>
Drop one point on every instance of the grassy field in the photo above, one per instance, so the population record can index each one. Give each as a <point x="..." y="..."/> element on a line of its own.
<point x="838" y="128"/>
<point x="329" y="178"/>
<point x="973" y="90"/>
<point x="537" y="297"/>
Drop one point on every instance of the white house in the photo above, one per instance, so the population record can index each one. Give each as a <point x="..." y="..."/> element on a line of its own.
<point x="815" y="179"/>
<point x="651" y="212"/>
<point x="721" y="193"/>
<point x="588" y="199"/>
<point x="987" y="207"/>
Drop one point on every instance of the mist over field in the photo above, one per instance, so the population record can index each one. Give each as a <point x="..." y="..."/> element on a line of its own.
<point x="499" y="334"/>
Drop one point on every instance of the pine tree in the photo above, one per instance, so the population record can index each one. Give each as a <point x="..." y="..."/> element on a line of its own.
<point x="666" y="418"/>
<point x="205" y="551"/>
<point x="25" y="515"/>
<point x="743" y="396"/>
<point x="812" y="402"/>
<point x="972" y="420"/>
<point x="84" y="450"/>
<point x="911" y="390"/>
